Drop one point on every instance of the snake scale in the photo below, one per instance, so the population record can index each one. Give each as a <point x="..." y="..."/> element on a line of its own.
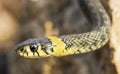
<point x="75" y="43"/>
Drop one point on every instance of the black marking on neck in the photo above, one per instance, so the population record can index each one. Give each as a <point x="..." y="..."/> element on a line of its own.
<point x="67" y="44"/>
<point x="45" y="51"/>
<point x="52" y="49"/>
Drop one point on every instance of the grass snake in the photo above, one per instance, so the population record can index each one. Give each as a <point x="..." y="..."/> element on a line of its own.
<point x="56" y="46"/>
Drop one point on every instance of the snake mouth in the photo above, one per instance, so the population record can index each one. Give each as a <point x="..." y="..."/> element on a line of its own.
<point x="27" y="54"/>
<point x="22" y="53"/>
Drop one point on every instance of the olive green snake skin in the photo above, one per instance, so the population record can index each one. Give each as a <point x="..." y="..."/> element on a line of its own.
<point x="74" y="43"/>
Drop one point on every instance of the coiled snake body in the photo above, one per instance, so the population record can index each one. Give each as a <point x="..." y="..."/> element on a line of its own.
<point x="74" y="43"/>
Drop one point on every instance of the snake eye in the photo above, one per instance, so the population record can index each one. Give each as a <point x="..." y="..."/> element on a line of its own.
<point x="34" y="47"/>
<point x="21" y="49"/>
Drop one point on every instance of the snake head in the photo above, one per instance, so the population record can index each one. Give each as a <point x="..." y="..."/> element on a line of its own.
<point x="35" y="48"/>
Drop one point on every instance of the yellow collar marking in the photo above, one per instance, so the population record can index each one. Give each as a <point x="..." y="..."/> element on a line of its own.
<point x="59" y="46"/>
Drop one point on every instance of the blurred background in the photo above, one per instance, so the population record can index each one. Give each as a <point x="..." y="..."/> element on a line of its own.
<point x="24" y="19"/>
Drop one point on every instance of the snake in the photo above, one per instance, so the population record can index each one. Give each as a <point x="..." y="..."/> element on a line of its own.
<point x="71" y="44"/>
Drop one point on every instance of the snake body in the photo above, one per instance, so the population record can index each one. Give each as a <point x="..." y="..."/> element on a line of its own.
<point x="74" y="43"/>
